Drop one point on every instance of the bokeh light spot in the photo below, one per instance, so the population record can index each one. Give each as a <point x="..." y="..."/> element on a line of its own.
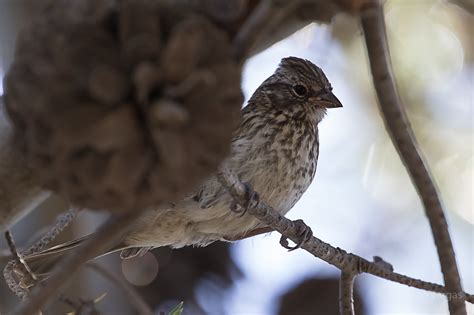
<point x="140" y="271"/>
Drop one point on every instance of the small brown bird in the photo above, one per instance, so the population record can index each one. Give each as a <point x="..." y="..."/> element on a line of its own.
<point x="275" y="150"/>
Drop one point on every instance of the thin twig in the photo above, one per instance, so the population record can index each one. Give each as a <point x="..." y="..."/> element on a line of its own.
<point x="398" y="126"/>
<point x="264" y="17"/>
<point x="12" y="283"/>
<point x="346" y="293"/>
<point x="18" y="264"/>
<point x="83" y="306"/>
<point x="337" y="257"/>
<point x="14" y="264"/>
<point x="111" y="233"/>
<point x="12" y="246"/>
<point x="466" y="5"/>
<point x="62" y="221"/>
<point x="133" y="296"/>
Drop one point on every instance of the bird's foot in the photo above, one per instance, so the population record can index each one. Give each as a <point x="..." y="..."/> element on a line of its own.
<point x="252" y="199"/>
<point x="304" y="234"/>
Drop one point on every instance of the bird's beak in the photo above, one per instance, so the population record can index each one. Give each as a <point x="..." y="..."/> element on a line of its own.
<point x="329" y="100"/>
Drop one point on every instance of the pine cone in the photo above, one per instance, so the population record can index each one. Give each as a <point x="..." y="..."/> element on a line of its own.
<point x="116" y="109"/>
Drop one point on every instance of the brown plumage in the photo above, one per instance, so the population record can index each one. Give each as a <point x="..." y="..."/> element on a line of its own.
<point x="275" y="150"/>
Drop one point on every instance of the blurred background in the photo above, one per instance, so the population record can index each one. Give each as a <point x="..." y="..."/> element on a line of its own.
<point x="361" y="200"/>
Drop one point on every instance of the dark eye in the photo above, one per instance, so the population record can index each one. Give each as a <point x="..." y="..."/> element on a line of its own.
<point x="300" y="90"/>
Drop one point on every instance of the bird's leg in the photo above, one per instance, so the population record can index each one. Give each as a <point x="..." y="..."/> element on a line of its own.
<point x="252" y="199"/>
<point x="304" y="233"/>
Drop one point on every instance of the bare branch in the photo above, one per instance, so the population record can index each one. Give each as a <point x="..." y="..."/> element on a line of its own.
<point x="108" y="235"/>
<point x="466" y="5"/>
<point x="346" y="293"/>
<point x="8" y="274"/>
<point x="264" y="17"/>
<point x="11" y="245"/>
<point x="132" y="294"/>
<point x="61" y="223"/>
<point x="13" y="266"/>
<point x="19" y="267"/>
<point x="398" y="126"/>
<point x="337" y="257"/>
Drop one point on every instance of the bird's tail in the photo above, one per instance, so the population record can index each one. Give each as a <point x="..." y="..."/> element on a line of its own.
<point x="41" y="263"/>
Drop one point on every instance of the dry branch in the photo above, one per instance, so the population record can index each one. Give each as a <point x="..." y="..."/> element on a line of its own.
<point x="337" y="257"/>
<point x="62" y="221"/>
<point x="109" y="234"/>
<point x="398" y="126"/>
<point x="17" y="266"/>
<point x="467" y="5"/>
<point x="346" y="293"/>
<point x="19" y="192"/>
<point x="9" y="270"/>
<point x="266" y="16"/>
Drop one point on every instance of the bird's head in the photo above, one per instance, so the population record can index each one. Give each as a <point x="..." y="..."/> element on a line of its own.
<point x="298" y="87"/>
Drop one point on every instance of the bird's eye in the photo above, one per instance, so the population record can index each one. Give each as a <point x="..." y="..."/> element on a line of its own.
<point x="300" y="90"/>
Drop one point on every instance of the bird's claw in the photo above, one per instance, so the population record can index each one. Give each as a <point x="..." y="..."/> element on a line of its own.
<point x="252" y="199"/>
<point x="304" y="233"/>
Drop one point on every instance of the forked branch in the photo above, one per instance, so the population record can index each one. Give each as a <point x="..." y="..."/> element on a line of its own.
<point x="110" y="234"/>
<point x="346" y="293"/>
<point x="398" y="126"/>
<point x="346" y="262"/>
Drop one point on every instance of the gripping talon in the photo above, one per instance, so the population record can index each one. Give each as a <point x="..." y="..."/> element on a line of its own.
<point x="252" y="199"/>
<point x="305" y="235"/>
<point x="251" y="196"/>
<point x="234" y="207"/>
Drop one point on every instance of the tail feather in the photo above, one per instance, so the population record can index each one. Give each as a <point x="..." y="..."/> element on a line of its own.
<point x="43" y="262"/>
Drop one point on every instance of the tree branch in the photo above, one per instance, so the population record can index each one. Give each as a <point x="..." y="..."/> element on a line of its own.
<point x="398" y="126"/>
<point x="234" y="14"/>
<point x="108" y="235"/>
<point x="346" y="293"/>
<point x="18" y="265"/>
<point x="10" y="268"/>
<point x="264" y="17"/>
<point x="466" y="5"/>
<point x="337" y="257"/>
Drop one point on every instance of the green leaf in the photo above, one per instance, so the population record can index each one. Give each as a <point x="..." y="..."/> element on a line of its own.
<point x="178" y="309"/>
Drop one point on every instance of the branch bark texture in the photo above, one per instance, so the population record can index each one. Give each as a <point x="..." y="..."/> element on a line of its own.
<point x="266" y="16"/>
<point x="398" y="126"/>
<point x="346" y="262"/>
<point x="346" y="293"/>
<point x="109" y="234"/>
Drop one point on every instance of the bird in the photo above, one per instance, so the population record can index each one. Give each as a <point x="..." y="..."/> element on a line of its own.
<point x="274" y="150"/>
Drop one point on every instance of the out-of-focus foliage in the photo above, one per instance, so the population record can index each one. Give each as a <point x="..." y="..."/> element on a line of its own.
<point x="178" y="309"/>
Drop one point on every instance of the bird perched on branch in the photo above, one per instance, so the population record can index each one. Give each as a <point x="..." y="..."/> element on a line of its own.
<point x="275" y="150"/>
